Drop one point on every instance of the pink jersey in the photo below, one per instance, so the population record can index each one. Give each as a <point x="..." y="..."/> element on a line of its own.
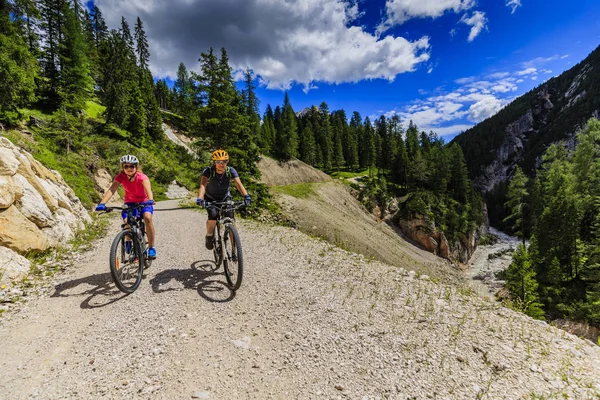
<point x="134" y="191"/>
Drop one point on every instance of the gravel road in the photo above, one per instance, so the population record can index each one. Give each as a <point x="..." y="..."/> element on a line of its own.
<point x="311" y="321"/>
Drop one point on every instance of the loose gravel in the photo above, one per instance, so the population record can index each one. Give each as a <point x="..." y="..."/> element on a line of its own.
<point x="310" y="321"/>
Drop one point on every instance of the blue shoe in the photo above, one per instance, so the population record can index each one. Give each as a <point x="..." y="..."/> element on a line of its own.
<point x="128" y="246"/>
<point x="152" y="253"/>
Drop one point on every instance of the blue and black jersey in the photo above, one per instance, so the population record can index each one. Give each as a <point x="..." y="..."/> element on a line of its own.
<point x="217" y="188"/>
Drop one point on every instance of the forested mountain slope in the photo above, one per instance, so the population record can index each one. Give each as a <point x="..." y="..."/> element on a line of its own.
<point x="523" y="130"/>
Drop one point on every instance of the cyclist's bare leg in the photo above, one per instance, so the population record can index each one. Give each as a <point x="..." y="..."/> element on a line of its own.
<point x="210" y="227"/>
<point x="149" y="228"/>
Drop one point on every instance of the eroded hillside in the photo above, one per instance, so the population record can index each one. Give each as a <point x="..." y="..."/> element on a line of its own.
<point x="325" y="208"/>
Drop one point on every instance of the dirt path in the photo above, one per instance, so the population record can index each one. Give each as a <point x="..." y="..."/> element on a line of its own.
<point x="173" y="137"/>
<point x="310" y="321"/>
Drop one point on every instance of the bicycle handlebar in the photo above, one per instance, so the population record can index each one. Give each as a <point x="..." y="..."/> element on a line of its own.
<point x="126" y="207"/>
<point x="233" y="204"/>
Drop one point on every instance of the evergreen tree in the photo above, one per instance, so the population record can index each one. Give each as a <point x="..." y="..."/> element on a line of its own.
<point x="251" y="102"/>
<point x="288" y="139"/>
<point x="308" y="145"/>
<point x="153" y="120"/>
<point x="18" y="68"/>
<point x="323" y="136"/>
<point x="99" y="26"/>
<point x="52" y="21"/>
<point x="517" y="198"/>
<point x="522" y="284"/>
<point x="339" y="131"/>
<point x="267" y="135"/>
<point x="76" y="83"/>
<point x="354" y="135"/>
<point x="369" y="153"/>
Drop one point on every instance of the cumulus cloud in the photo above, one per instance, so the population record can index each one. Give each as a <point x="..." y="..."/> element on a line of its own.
<point x="513" y="4"/>
<point x="283" y="42"/>
<point x="477" y="22"/>
<point x="400" y="11"/>
<point x="472" y="100"/>
<point x="527" y="71"/>
<point x="484" y="108"/>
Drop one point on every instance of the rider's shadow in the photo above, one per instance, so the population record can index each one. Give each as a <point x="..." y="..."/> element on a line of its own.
<point x="101" y="287"/>
<point x="200" y="276"/>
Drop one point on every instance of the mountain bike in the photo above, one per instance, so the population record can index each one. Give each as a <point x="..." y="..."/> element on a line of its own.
<point x="129" y="249"/>
<point x="227" y="247"/>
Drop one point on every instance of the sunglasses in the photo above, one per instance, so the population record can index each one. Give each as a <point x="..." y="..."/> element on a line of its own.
<point x="128" y="166"/>
<point x="220" y="162"/>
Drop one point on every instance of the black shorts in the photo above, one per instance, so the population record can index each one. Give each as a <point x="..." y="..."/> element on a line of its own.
<point x="213" y="212"/>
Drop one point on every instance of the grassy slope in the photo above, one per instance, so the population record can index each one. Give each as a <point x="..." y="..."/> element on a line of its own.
<point x="102" y="147"/>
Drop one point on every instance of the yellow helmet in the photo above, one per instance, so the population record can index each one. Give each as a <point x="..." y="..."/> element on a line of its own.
<point x="220" y="155"/>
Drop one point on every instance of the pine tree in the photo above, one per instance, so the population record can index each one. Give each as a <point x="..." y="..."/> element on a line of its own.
<point x="18" y="68"/>
<point x="308" y="145"/>
<point x="52" y="21"/>
<point x="267" y="135"/>
<point x="339" y="129"/>
<point x="288" y="139"/>
<point x="251" y="102"/>
<point x="323" y="136"/>
<point x="517" y="200"/>
<point x="153" y="120"/>
<point x="522" y="284"/>
<point x="76" y="82"/>
<point x="369" y="153"/>
<point x="354" y="135"/>
<point x="99" y="26"/>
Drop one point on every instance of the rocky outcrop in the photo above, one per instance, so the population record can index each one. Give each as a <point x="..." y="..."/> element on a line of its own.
<point x="426" y="235"/>
<point x="38" y="210"/>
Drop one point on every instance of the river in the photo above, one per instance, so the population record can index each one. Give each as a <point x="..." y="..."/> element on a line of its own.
<point x="487" y="261"/>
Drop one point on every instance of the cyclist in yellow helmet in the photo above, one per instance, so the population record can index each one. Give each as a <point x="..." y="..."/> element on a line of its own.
<point x="214" y="186"/>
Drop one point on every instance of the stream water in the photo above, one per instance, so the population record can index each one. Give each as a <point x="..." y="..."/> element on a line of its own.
<point x="487" y="261"/>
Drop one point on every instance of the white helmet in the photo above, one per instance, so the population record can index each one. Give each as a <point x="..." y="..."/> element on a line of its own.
<point x="129" y="159"/>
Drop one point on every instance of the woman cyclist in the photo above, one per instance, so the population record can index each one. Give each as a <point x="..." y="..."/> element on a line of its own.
<point x="137" y="190"/>
<point x="214" y="185"/>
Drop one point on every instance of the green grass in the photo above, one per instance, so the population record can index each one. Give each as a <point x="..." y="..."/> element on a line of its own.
<point x="298" y="190"/>
<point x="94" y="110"/>
<point x="349" y="174"/>
<point x="39" y="114"/>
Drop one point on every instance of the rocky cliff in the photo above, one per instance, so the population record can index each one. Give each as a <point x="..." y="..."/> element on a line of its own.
<point x="38" y="210"/>
<point x="522" y="131"/>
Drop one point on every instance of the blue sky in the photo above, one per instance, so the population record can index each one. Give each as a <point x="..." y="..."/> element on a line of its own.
<point x="445" y="64"/>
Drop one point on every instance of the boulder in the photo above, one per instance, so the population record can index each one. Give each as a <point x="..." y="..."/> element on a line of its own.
<point x="12" y="266"/>
<point x="9" y="191"/>
<point x="20" y="234"/>
<point x="8" y="161"/>
<point x="26" y="170"/>
<point x="32" y="204"/>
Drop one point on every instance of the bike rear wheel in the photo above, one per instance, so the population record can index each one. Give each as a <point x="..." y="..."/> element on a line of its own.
<point x="126" y="261"/>
<point x="233" y="260"/>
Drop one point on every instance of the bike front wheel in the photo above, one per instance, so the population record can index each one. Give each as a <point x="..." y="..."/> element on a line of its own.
<point x="233" y="260"/>
<point x="126" y="261"/>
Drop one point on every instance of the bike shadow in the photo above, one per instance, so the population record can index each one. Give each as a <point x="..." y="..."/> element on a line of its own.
<point x="101" y="294"/>
<point x="200" y="276"/>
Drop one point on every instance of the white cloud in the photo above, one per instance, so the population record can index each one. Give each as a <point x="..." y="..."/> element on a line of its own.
<point x="536" y="62"/>
<point x="527" y="71"/>
<point x="498" y="75"/>
<point x="304" y="41"/>
<point x="546" y="71"/>
<point x="400" y="11"/>
<point x="513" y="4"/>
<point x="477" y="22"/>
<point x="484" y="108"/>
